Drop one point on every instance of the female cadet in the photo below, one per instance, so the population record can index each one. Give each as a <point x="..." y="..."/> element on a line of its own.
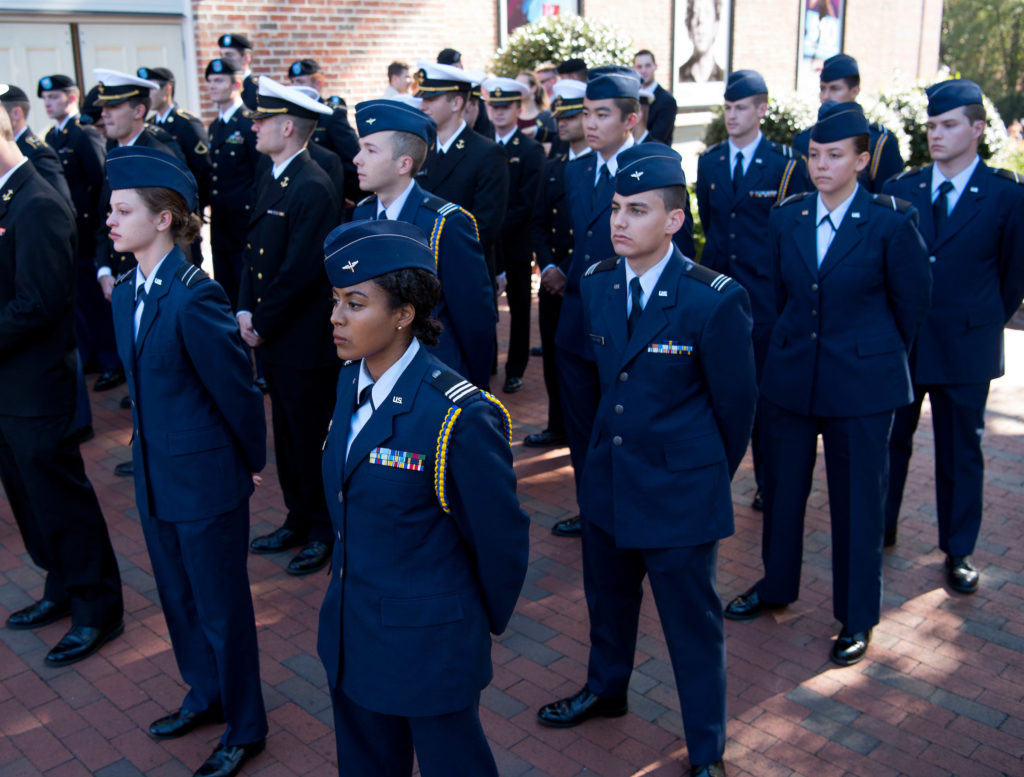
<point x="199" y="433"/>
<point x="431" y="545"/>
<point x="852" y="285"/>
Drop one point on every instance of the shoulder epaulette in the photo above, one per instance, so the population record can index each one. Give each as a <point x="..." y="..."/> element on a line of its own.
<point x="715" y="147"/>
<point x="366" y="200"/>
<point x="783" y="149"/>
<point x="34" y="141"/>
<point x="185" y="114"/>
<point x="892" y="203"/>
<point x="1015" y="177"/>
<point x="603" y="266"/>
<point x="714" y="279"/>
<point x="444" y="209"/>
<point x="457" y="389"/>
<point x="436" y="203"/>
<point x="905" y="173"/>
<point x="190" y="275"/>
<point x="124" y="276"/>
<point x="793" y="198"/>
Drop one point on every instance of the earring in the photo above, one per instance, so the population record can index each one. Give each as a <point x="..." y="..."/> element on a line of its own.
<point x="398" y="327"/>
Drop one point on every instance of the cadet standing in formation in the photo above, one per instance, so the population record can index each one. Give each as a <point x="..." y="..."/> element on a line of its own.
<point x="237" y="50"/>
<point x="15" y="102"/>
<point x="661" y="118"/>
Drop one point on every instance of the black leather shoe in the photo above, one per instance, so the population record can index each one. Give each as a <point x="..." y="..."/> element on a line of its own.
<point x="581" y="706"/>
<point x="890" y="538"/>
<point x="537" y="350"/>
<point x="276" y="541"/>
<point x="80" y="642"/>
<point x="748" y="605"/>
<point x="849" y="648"/>
<point x="512" y="385"/>
<point x="179" y="723"/>
<point x="109" y="380"/>
<point x="125" y="469"/>
<point x="314" y="556"/>
<point x="126" y="402"/>
<point x="261" y="384"/>
<point x="227" y="760"/>
<point x="39" y="614"/>
<point x="717" y="769"/>
<point x="962" y="574"/>
<point x="758" y="504"/>
<point x="570" y="527"/>
<point x="544" y="439"/>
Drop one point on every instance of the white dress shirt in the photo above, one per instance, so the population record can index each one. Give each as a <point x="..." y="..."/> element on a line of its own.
<point x="381" y="390"/>
<point x="648" y="280"/>
<point x="825" y="233"/>
<point x="959" y="182"/>
<point x="394" y="210"/>
<point x="147" y="282"/>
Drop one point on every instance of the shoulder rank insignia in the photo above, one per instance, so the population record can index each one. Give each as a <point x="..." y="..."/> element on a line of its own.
<point x="124" y="276"/>
<point x="366" y="200"/>
<point x="1015" y="177"/>
<point x="783" y="149"/>
<point x="715" y="280"/>
<point x="892" y="203"/>
<point x="715" y="147"/>
<point x="793" y="198"/>
<point x="33" y="141"/>
<point x="190" y="275"/>
<point x="603" y="266"/>
<point x="907" y="172"/>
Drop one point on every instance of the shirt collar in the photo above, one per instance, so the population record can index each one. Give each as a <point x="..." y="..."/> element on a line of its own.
<point x="162" y="117"/>
<point x="838" y="213"/>
<point x="959" y="180"/>
<point x="383" y="387"/>
<point x="613" y="163"/>
<point x="225" y="116"/>
<point x="573" y="155"/>
<point x="651" y="276"/>
<point x="64" y="122"/>
<point x="17" y="137"/>
<point x="394" y="210"/>
<point x="147" y="280"/>
<point x="506" y="138"/>
<point x="6" y="176"/>
<point x="278" y="169"/>
<point x="748" y="151"/>
<point x="134" y="138"/>
<point x="443" y="147"/>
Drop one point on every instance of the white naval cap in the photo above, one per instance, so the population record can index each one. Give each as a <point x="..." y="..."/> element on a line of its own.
<point x="275" y="99"/>
<point x="502" y="91"/>
<point x="115" y="87"/>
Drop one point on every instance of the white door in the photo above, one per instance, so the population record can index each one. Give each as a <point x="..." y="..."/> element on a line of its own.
<point x="30" y="51"/>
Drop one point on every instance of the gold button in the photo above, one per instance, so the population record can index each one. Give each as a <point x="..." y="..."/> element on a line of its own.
<point x="259" y="299"/>
<point x="248" y="245"/>
<point x="259" y="275"/>
<point x="261" y="252"/>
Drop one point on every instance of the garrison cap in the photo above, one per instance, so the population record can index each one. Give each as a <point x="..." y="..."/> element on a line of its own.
<point x="839" y="66"/>
<point x="116" y="87"/>
<point x="744" y="83"/>
<point x="274" y="99"/>
<point x="647" y="166"/>
<point x="434" y="79"/>
<point x="159" y="74"/>
<point x="234" y="41"/>
<point x="449" y="57"/>
<point x="612" y="81"/>
<point x="503" y="91"/>
<point x="303" y="67"/>
<point x="383" y="115"/>
<point x="837" y="121"/>
<point x="221" y="67"/>
<point x="361" y="250"/>
<point x="51" y="83"/>
<point x="568" y="97"/>
<point x="947" y="95"/>
<point x="570" y="66"/>
<point x="12" y="94"/>
<point x="133" y="167"/>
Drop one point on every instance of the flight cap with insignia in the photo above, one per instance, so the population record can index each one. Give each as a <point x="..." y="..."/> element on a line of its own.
<point x="361" y="250"/>
<point x="134" y="167"/>
<point x="647" y="94"/>
<point x="839" y="66"/>
<point x="221" y="67"/>
<point x="433" y="79"/>
<point x="303" y="67"/>
<point x="837" y="121"/>
<point x="449" y="57"/>
<point x="408" y="99"/>
<point x="116" y="87"/>
<point x="744" y="83"/>
<point x="274" y="99"/>
<point x="504" y="91"/>
<point x="234" y="41"/>
<point x="609" y="82"/>
<point x="572" y="66"/>
<point x="568" y="97"/>
<point x="955" y="93"/>
<point x="382" y="115"/>
<point x="159" y="74"/>
<point x="53" y="83"/>
<point x="647" y="166"/>
<point x="13" y="94"/>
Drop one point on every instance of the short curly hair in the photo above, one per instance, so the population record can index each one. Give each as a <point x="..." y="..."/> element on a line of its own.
<point x="422" y="290"/>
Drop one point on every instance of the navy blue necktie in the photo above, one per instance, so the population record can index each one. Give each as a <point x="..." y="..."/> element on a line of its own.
<point x="940" y="208"/>
<point x="140" y="296"/>
<point x="602" y="191"/>
<point x="635" y="293"/>
<point x="737" y="172"/>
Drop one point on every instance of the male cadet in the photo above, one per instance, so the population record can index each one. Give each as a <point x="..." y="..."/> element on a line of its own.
<point x="237" y="50"/>
<point x="42" y="157"/>
<point x="333" y="132"/>
<point x="661" y="118"/>
<point x="972" y="220"/>
<point x="233" y="159"/>
<point x="671" y="343"/>
<point x="398" y="80"/>
<point x="476" y="114"/>
<point x="515" y="255"/>
<point x="738" y="182"/>
<point x="551" y="239"/>
<point x="40" y="466"/>
<point x="393" y="139"/>
<point x="840" y="82"/>
<point x="284" y="307"/>
<point x="573" y="68"/>
<point x="463" y="167"/>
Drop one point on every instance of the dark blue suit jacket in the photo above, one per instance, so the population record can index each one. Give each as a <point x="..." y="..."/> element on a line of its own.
<point x="677" y="405"/>
<point x="977" y="265"/>
<point x="839" y="347"/>
<point x="415" y="591"/>
<point x="199" y="425"/>
<point x="466" y="310"/>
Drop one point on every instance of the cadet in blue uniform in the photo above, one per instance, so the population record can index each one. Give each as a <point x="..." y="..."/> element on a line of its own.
<point x="671" y="343"/>
<point x="972" y="219"/>
<point x="199" y="435"/>
<point x="840" y="82"/>
<point x="431" y="544"/>
<point x="394" y="138"/>
<point x="851" y="288"/>
<point x="738" y="182"/>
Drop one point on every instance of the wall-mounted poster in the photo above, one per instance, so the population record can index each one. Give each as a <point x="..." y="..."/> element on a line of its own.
<point x="516" y="13"/>
<point x="701" y="51"/>
<point x="821" y="36"/>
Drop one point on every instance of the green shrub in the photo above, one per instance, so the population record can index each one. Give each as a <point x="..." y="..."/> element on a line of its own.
<point x="558" y="38"/>
<point x="788" y="113"/>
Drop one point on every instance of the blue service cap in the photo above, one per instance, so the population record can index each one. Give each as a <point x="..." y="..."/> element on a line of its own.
<point x="361" y="250"/>
<point x="134" y="167"/>
<point x="839" y="66"/>
<point x="647" y="166"/>
<point x="947" y="95"/>
<point x="839" y="120"/>
<point x="744" y="83"/>
<point x="609" y="82"/>
<point x="381" y="115"/>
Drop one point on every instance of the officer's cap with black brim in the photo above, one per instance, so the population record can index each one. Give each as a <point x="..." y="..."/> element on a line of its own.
<point x="362" y="250"/>
<point x="504" y="91"/>
<point x="274" y="99"/>
<point x="955" y="93"/>
<point x="54" y="83"/>
<point x="137" y="167"/>
<point x="837" y="121"/>
<point x="433" y="79"/>
<point x="116" y="87"/>
<point x="647" y="166"/>
<point x="744" y="83"/>
<point x="568" y="97"/>
<point x="383" y="115"/>
<point x="839" y="66"/>
<point x="610" y="82"/>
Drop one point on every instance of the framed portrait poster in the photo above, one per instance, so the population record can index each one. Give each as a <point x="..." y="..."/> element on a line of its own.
<point x="702" y="38"/>
<point x="513" y="14"/>
<point x="821" y="37"/>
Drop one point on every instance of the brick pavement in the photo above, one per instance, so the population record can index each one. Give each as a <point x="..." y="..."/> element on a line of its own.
<point x="941" y="691"/>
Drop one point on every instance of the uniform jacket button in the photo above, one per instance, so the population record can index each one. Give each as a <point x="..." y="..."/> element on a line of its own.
<point x="623" y="376"/>
<point x="814" y="335"/>
<point x="619" y="409"/>
<point x="931" y="259"/>
<point x="616" y="440"/>
<point x="814" y="287"/>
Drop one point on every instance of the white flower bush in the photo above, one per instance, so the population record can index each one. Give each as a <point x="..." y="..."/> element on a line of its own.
<point x="557" y="38"/>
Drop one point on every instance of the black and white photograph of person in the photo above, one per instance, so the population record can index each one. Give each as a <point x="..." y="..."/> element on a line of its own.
<point x="701" y="50"/>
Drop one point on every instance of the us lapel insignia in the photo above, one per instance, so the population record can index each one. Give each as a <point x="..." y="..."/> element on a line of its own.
<point x="461" y="144"/>
<point x="856" y="214"/>
<point x="396" y="400"/>
<point x="758" y="160"/>
<point x="922" y="185"/>
<point x="284" y="182"/>
<point x="158" y="281"/>
<point x="805" y="213"/>
<point x="8" y="194"/>
<point x="974" y="190"/>
<point x="662" y="293"/>
<point x="616" y="286"/>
